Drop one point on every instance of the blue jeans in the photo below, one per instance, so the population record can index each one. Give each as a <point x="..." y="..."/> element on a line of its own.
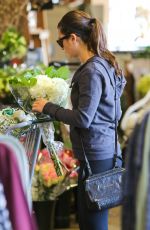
<point x="91" y="220"/>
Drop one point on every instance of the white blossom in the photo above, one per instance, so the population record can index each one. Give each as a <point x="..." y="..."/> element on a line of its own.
<point x="53" y="89"/>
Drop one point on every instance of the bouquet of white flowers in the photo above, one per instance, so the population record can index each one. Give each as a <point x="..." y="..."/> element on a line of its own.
<point x="53" y="89"/>
<point x="50" y="84"/>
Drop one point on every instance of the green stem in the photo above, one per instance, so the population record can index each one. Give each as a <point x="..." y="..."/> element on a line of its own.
<point x="55" y="159"/>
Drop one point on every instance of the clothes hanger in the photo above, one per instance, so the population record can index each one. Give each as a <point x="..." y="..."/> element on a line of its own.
<point x="133" y="109"/>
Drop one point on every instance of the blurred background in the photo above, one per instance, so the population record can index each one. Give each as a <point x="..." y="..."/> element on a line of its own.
<point x="28" y="34"/>
<point x="126" y="23"/>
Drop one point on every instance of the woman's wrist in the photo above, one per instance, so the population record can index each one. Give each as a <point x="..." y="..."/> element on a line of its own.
<point x="51" y="109"/>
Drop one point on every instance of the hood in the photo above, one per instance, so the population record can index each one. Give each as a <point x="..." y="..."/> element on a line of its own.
<point x="120" y="84"/>
<point x="118" y="81"/>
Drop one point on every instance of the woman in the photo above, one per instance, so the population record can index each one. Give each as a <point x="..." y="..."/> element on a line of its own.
<point x="92" y="96"/>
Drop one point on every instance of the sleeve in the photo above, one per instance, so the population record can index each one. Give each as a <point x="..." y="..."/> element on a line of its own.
<point x="90" y="90"/>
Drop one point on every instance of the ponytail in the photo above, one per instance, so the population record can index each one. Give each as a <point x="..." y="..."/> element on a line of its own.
<point x="98" y="44"/>
<point x="91" y="32"/>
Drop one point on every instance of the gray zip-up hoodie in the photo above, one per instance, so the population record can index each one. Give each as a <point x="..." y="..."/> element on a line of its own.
<point x="93" y="113"/>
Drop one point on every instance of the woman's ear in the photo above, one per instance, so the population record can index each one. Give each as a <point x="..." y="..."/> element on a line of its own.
<point x="74" y="38"/>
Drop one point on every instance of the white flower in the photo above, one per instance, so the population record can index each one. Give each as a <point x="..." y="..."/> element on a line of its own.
<point x="52" y="89"/>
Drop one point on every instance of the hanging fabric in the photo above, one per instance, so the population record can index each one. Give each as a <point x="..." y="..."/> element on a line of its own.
<point x="135" y="164"/>
<point x="142" y="189"/>
<point x="23" y="164"/>
<point x="20" y="215"/>
<point x="5" y="223"/>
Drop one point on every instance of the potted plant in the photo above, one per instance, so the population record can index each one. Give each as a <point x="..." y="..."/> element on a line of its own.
<point x="12" y="46"/>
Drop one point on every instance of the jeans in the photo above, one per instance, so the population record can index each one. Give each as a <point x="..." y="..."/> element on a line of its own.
<point x="91" y="220"/>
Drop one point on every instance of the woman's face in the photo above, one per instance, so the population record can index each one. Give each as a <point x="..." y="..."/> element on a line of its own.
<point x="69" y="43"/>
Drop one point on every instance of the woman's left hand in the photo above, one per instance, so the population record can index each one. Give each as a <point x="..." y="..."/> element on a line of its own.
<point x="39" y="104"/>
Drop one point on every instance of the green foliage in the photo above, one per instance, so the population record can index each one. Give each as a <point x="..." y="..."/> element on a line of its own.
<point x="12" y="45"/>
<point x="51" y="72"/>
<point x="25" y="78"/>
<point x="143" y="53"/>
<point x="23" y="81"/>
<point x="5" y="75"/>
<point x="143" y="85"/>
<point x="28" y="77"/>
<point x="62" y="72"/>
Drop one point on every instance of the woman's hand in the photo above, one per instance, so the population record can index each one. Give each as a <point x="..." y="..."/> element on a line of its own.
<point x="38" y="105"/>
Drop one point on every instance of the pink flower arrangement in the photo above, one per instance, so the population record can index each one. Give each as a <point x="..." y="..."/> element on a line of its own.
<point x="48" y="174"/>
<point x="47" y="185"/>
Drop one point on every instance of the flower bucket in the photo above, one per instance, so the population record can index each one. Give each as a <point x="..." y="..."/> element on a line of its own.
<point x="44" y="214"/>
<point x="62" y="212"/>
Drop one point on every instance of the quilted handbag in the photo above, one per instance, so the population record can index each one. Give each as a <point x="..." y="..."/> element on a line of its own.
<point x="105" y="190"/>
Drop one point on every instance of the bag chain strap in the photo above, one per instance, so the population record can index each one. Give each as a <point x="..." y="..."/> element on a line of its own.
<point x="116" y="149"/>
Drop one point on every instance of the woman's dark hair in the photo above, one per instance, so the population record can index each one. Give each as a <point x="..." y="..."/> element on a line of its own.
<point x="90" y="31"/>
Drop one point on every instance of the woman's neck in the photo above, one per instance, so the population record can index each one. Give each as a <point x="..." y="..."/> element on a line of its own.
<point x="85" y="55"/>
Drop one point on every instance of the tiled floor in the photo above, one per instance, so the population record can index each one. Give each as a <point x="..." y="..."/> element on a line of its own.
<point x="114" y="220"/>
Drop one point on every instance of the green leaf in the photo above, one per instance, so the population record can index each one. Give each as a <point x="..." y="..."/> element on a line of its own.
<point x="51" y="72"/>
<point x="33" y="82"/>
<point x="63" y="72"/>
<point x="28" y="78"/>
<point x="23" y="81"/>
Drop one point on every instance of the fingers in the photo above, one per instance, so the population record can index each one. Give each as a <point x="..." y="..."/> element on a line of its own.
<point x="35" y="108"/>
<point x="38" y="105"/>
